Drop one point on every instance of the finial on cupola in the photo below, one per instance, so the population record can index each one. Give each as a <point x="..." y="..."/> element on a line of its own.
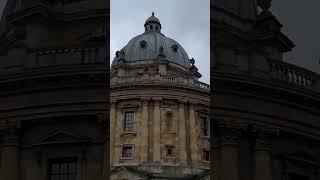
<point x="152" y="13"/>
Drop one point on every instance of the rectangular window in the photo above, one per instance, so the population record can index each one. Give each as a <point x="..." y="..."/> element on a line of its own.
<point x="127" y="151"/>
<point x="62" y="169"/>
<point x="205" y="155"/>
<point x="170" y="151"/>
<point x="204" y="125"/>
<point x="293" y="176"/>
<point x="128" y="122"/>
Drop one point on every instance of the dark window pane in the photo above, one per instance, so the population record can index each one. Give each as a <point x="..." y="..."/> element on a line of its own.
<point x="206" y="155"/>
<point x="55" y="177"/>
<point x="62" y="169"/>
<point x="204" y="126"/>
<point x="129" y="122"/>
<point x="72" y="167"/>
<point x="169" y="122"/>
<point x="127" y="151"/>
<point x="169" y="151"/>
<point x="55" y="169"/>
<point x="72" y="177"/>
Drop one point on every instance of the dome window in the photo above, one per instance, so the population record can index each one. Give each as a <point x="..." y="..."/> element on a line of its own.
<point x="175" y="48"/>
<point x="151" y="27"/>
<point x="143" y="44"/>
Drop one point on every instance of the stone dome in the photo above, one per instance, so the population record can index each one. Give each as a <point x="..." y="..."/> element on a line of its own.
<point x="151" y="45"/>
<point x="10" y="7"/>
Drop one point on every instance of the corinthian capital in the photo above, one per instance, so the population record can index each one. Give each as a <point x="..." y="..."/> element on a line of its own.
<point x="11" y="137"/>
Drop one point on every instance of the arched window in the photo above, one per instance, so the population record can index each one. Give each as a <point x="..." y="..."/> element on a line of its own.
<point x="151" y="27"/>
<point x="169" y="122"/>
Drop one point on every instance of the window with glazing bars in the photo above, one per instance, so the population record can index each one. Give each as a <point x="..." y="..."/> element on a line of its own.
<point x="62" y="169"/>
<point x="204" y="125"/>
<point x="206" y="155"/>
<point x="128" y="125"/>
<point x="170" y="151"/>
<point x="127" y="151"/>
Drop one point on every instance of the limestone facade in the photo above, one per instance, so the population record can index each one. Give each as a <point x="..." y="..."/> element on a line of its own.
<point x="169" y="107"/>
<point x="265" y="110"/>
<point x="53" y="90"/>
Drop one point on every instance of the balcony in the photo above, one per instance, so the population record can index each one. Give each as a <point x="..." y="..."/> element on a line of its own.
<point x="294" y="75"/>
<point x="170" y="81"/>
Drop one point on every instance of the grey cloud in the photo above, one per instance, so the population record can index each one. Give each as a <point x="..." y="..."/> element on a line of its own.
<point x="186" y="21"/>
<point x="301" y="24"/>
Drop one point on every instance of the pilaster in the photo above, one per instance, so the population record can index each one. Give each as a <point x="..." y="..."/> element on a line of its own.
<point x="182" y="134"/>
<point x="144" y="130"/>
<point x="229" y="152"/>
<point x="156" y="130"/>
<point x="262" y="158"/>
<point x="10" y="155"/>
<point x="117" y="145"/>
<point x="112" y="129"/>
<point x="193" y="135"/>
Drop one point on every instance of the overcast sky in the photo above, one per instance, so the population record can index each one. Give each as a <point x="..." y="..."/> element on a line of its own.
<point x="186" y="21"/>
<point x="302" y="25"/>
<point x="2" y="4"/>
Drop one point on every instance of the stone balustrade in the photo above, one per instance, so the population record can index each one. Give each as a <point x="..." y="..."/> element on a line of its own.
<point x="160" y="80"/>
<point x="22" y="60"/>
<point x="294" y="75"/>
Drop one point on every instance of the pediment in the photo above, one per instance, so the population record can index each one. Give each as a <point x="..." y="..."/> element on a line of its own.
<point x="61" y="136"/>
<point x="303" y="157"/>
<point x="124" y="173"/>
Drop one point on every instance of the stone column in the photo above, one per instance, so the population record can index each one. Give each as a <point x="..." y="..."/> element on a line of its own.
<point x="112" y="129"/>
<point x="229" y="155"/>
<point x="117" y="145"/>
<point x="10" y="156"/>
<point x="144" y="131"/>
<point x="262" y="159"/>
<point x="182" y="135"/>
<point x="156" y="131"/>
<point x="193" y="135"/>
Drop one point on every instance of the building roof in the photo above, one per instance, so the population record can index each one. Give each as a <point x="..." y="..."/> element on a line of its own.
<point x="10" y="7"/>
<point x="245" y="9"/>
<point x="152" y="44"/>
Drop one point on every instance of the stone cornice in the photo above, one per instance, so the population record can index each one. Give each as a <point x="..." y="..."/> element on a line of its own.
<point x="53" y="81"/>
<point x="243" y="83"/>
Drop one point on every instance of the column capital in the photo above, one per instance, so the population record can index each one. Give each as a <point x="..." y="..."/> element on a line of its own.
<point x="182" y="101"/>
<point x="181" y="105"/>
<point x="229" y="137"/>
<point x="11" y="137"/>
<point x="113" y="102"/>
<point x="192" y="105"/>
<point x="145" y="101"/>
<point x="157" y="98"/>
<point x="262" y="142"/>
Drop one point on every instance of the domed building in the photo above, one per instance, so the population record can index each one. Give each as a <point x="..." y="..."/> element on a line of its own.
<point x="265" y="110"/>
<point x="160" y="110"/>
<point x="53" y="90"/>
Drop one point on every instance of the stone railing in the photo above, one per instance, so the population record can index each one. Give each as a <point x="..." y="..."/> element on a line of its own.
<point x="201" y="85"/>
<point x="159" y="80"/>
<point x="51" y="57"/>
<point x="294" y="75"/>
<point x="78" y="55"/>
